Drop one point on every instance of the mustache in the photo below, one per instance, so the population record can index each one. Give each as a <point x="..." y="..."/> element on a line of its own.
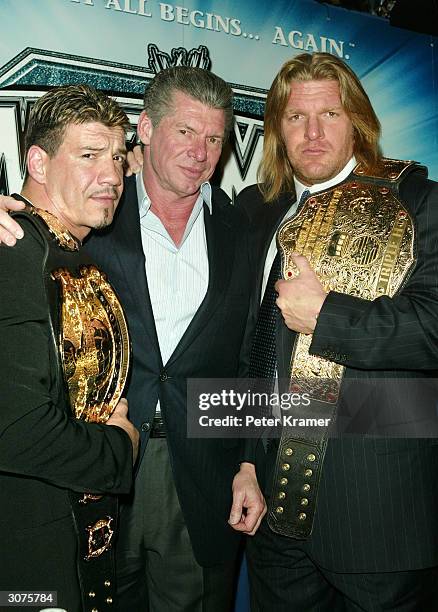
<point x="107" y="192"/>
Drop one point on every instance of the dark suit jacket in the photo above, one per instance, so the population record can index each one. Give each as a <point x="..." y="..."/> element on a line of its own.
<point x="203" y="469"/>
<point x="377" y="507"/>
<point x="44" y="452"/>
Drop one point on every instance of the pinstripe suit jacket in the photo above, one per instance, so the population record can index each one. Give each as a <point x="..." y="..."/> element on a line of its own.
<point x="378" y="504"/>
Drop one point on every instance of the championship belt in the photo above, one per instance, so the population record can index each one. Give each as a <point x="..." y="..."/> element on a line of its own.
<point x="94" y="347"/>
<point x="93" y="342"/>
<point x="93" y="338"/>
<point x="359" y="239"/>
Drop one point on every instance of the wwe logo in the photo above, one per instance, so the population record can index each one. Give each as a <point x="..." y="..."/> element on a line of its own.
<point x="159" y="60"/>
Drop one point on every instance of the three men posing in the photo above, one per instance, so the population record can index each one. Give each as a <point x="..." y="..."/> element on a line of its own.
<point x="363" y="551"/>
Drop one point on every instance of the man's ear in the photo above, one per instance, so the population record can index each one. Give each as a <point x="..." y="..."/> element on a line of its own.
<point x="37" y="160"/>
<point x="144" y="128"/>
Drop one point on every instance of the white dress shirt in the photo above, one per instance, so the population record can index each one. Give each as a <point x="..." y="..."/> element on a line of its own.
<point x="177" y="275"/>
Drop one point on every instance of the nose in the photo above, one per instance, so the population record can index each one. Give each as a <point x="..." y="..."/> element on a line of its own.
<point x="111" y="173"/>
<point x="198" y="150"/>
<point x="314" y="129"/>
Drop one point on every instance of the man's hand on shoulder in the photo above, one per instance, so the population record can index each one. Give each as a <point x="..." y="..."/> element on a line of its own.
<point x="134" y="160"/>
<point x="10" y="231"/>
<point x="249" y="506"/>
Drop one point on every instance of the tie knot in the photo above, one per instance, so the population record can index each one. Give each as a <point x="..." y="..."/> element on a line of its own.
<point x="303" y="197"/>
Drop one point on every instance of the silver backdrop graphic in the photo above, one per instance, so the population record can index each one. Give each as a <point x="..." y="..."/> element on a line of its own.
<point x="30" y="68"/>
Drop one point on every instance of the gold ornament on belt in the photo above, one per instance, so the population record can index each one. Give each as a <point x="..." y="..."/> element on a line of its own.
<point x="93" y="339"/>
<point x="359" y="239"/>
<point x="94" y="343"/>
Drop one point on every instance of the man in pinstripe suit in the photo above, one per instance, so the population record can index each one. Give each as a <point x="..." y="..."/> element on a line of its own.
<point x="374" y="541"/>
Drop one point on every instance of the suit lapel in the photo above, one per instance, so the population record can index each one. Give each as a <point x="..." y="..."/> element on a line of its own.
<point x="264" y="229"/>
<point x="131" y="260"/>
<point x="285" y="338"/>
<point x="220" y="243"/>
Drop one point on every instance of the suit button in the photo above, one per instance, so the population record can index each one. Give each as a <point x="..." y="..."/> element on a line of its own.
<point x="163" y="376"/>
<point x="145" y="426"/>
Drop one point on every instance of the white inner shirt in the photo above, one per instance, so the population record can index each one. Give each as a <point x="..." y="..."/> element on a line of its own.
<point x="177" y="275"/>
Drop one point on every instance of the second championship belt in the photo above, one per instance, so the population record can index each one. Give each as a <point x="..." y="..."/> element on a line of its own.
<point x="359" y="239"/>
<point x="95" y="350"/>
<point x="94" y="343"/>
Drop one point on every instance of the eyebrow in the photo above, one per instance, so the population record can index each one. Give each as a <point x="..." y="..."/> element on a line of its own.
<point x="122" y="150"/>
<point x="192" y="129"/>
<point x="295" y="110"/>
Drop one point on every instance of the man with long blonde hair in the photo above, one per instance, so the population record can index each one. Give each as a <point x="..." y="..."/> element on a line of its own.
<point x="352" y="519"/>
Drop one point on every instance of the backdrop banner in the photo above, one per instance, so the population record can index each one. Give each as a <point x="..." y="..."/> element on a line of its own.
<point x="118" y="46"/>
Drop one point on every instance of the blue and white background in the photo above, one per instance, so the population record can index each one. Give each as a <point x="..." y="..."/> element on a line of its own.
<point x="117" y="45"/>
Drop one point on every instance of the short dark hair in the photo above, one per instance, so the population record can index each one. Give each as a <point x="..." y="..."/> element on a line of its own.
<point x="198" y="83"/>
<point x="70" y="104"/>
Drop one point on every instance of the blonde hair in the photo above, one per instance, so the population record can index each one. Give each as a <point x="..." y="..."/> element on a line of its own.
<point x="275" y="173"/>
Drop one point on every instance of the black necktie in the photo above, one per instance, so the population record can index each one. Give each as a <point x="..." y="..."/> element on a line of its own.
<point x="263" y="359"/>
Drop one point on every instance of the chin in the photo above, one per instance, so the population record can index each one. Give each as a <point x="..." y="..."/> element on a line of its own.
<point x="190" y="190"/>
<point x="105" y="220"/>
<point x="318" y="175"/>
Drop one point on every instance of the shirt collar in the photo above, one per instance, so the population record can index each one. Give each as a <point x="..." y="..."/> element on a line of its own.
<point x="348" y="169"/>
<point x="144" y="202"/>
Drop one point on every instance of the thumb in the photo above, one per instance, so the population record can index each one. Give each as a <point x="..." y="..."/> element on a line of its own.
<point x="301" y="262"/>
<point x="236" y="509"/>
<point x="122" y="407"/>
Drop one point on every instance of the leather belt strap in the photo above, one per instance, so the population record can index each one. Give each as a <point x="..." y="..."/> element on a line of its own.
<point x="297" y="474"/>
<point x="95" y="518"/>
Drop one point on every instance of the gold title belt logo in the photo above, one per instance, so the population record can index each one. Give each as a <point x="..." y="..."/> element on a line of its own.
<point x="359" y="240"/>
<point x="94" y="343"/>
<point x="100" y="537"/>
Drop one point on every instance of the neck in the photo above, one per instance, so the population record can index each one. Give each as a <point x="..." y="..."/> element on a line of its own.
<point x="173" y="210"/>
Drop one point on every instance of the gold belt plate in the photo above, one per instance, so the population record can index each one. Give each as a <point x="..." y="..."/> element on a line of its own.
<point x="94" y="343"/>
<point x="359" y="239"/>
